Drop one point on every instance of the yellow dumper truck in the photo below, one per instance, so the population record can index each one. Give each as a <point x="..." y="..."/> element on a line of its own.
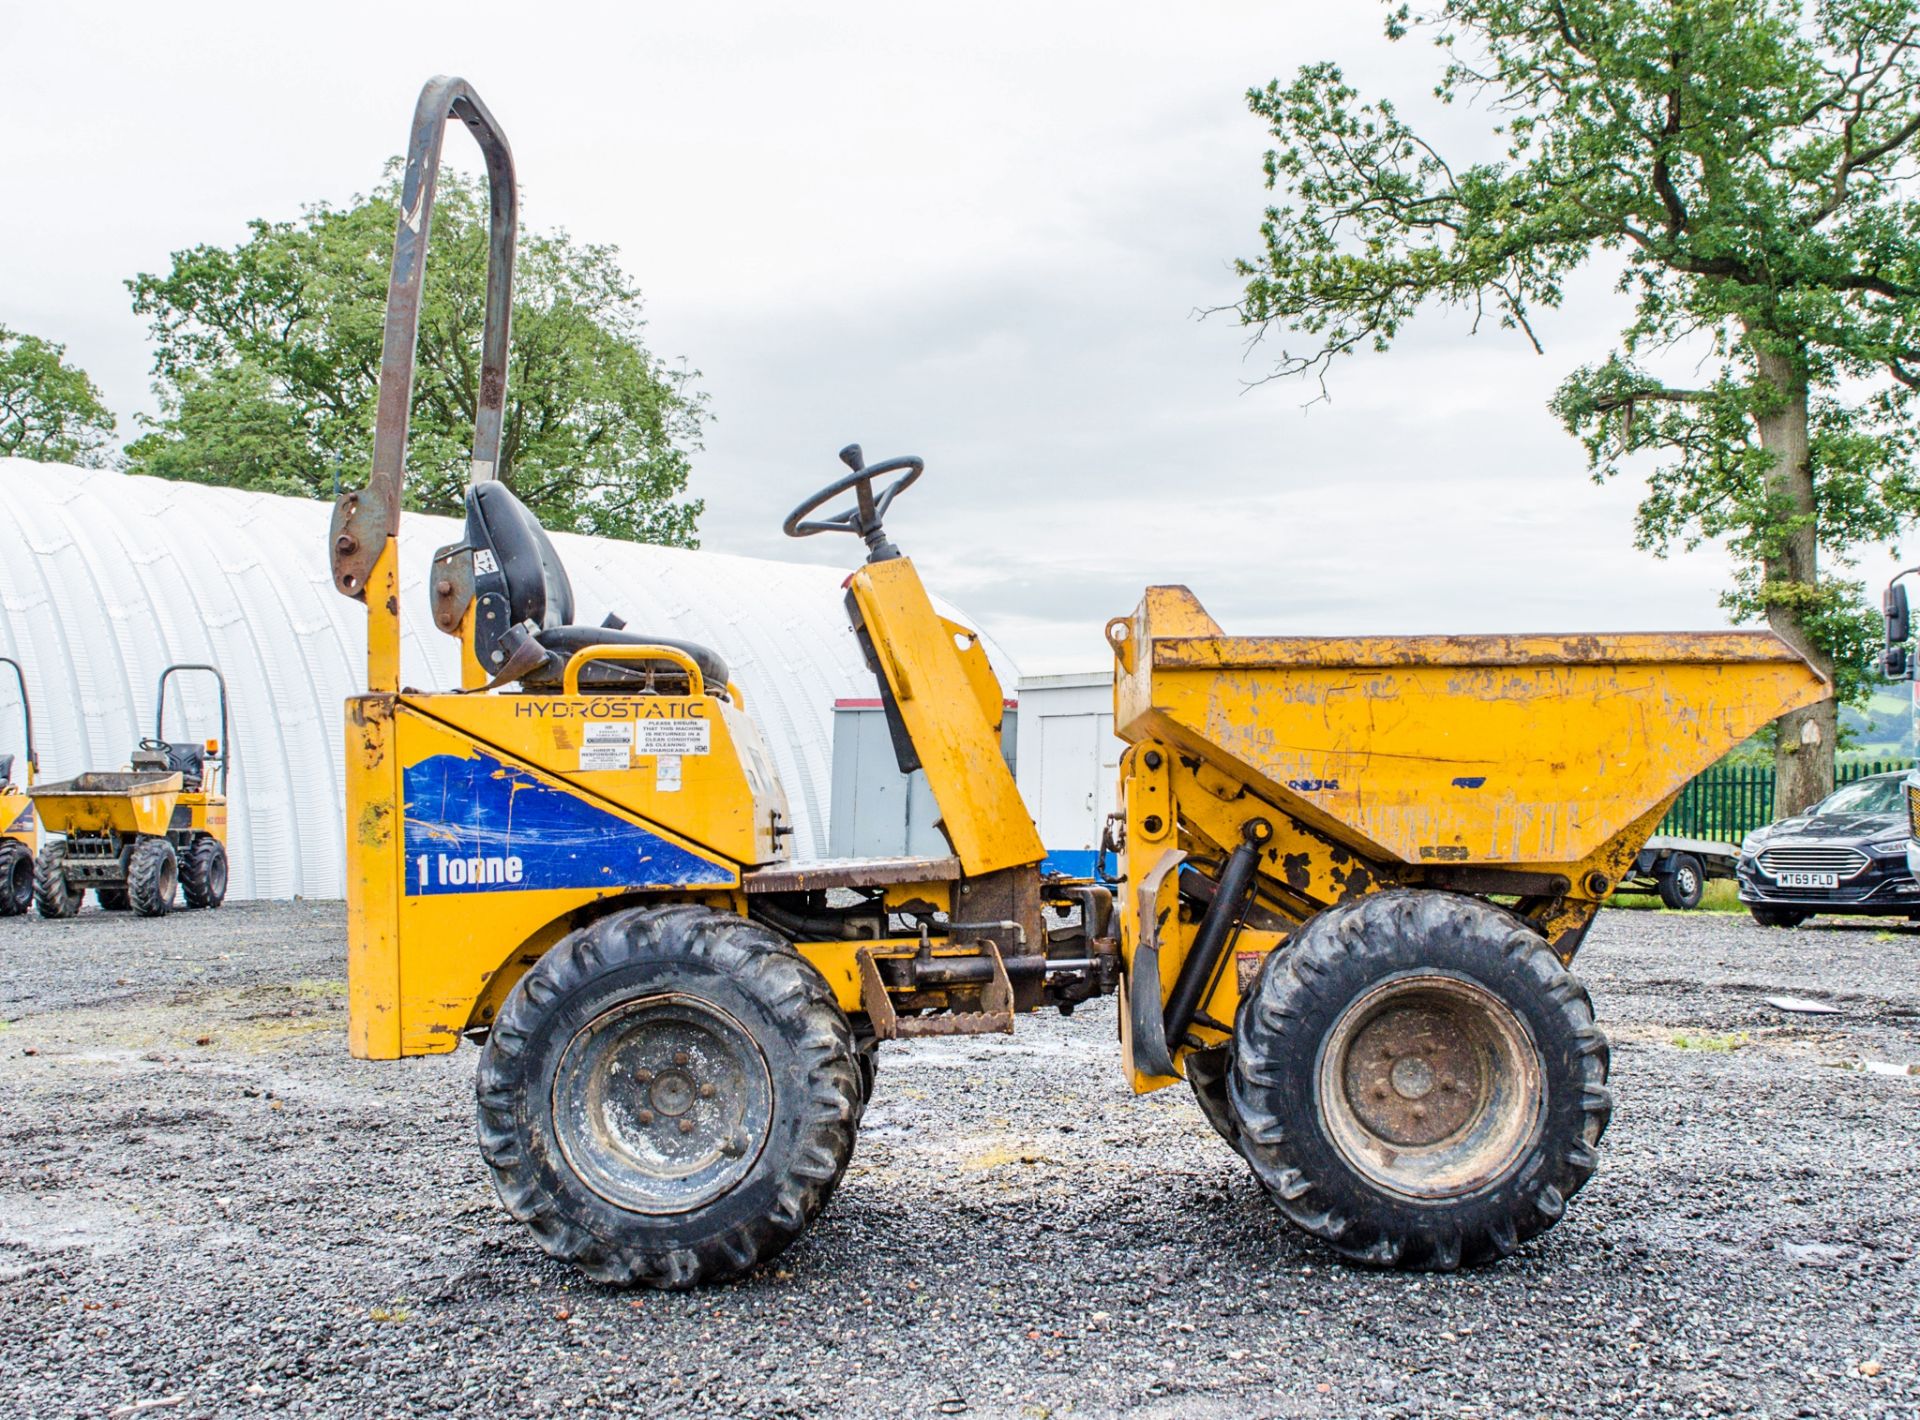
<point x="1352" y="874"/>
<point x="141" y="836"/>
<point x="19" y="829"/>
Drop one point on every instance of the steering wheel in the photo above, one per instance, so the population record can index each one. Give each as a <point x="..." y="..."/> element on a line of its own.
<point x="154" y="746"/>
<point x="864" y="517"/>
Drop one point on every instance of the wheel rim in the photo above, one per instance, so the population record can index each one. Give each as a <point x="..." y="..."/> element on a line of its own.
<point x="662" y="1105"/>
<point x="1686" y="882"/>
<point x="1431" y="1086"/>
<point x="217" y="876"/>
<point x="20" y="882"/>
<point x="167" y="879"/>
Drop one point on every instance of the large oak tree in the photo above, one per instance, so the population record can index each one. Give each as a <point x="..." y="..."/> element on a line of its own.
<point x="1749" y="164"/>
<point x="268" y="369"/>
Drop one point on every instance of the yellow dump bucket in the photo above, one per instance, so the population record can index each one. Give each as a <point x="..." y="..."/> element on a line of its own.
<point x="126" y="802"/>
<point x="1472" y="750"/>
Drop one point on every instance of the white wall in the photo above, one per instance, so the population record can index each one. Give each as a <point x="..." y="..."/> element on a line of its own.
<point x="105" y="579"/>
<point x="1068" y="762"/>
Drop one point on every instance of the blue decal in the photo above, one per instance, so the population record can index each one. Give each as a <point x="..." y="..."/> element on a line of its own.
<point x="477" y="825"/>
<point x="24" y="823"/>
<point x="1070" y="862"/>
<point x="1313" y="786"/>
<point x="1469" y="781"/>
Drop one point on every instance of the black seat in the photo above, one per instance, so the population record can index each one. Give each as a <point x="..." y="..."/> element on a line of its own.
<point x="6" y="769"/>
<point x="521" y="592"/>
<point x="189" y="761"/>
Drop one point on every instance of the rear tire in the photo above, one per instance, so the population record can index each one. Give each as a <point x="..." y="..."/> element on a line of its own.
<point x="16" y="877"/>
<point x="153" y="874"/>
<point x="1207" y="1072"/>
<point x="111" y="899"/>
<point x="1419" y="1081"/>
<point x="203" y="873"/>
<point x="1683" y="884"/>
<point x="668" y="1097"/>
<point x="52" y="896"/>
<point x="1778" y="916"/>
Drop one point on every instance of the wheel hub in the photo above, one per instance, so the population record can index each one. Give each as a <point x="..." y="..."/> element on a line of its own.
<point x="1411" y="1075"/>
<point x="1430" y="1085"/>
<point x="661" y="1105"/>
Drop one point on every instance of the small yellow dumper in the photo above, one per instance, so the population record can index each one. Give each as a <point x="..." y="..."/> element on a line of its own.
<point x="19" y="833"/>
<point x="138" y="836"/>
<point x="1349" y="875"/>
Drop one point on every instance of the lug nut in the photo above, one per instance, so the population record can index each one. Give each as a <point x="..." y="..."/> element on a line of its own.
<point x="734" y="1148"/>
<point x="643" y="1076"/>
<point x="686" y="1126"/>
<point x="646" y="1116"/>
<point x="706" y="1092"/>
<point x="680" y="1057"/>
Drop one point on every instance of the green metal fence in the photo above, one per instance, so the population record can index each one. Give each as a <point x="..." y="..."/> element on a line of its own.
<point x="1729" y="801"/>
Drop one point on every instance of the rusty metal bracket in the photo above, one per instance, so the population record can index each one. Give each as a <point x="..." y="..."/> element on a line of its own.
<point x="996" y="997"/>
<point x="363" y="520"/>
<point x="452" y="586"/>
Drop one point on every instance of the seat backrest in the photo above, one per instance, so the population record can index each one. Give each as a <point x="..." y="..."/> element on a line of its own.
<point x="189" y="761"/>
<point x="517" y="575"/>
<point x="6" y="769"/>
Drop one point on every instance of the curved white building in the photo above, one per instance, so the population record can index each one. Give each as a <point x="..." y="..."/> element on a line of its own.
<point x="105" y="579"/>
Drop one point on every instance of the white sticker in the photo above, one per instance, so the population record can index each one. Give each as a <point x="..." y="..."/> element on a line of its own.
<point x="604" y="746"/>
<point x="675" y="737"/>
<point x="666" y="775"/>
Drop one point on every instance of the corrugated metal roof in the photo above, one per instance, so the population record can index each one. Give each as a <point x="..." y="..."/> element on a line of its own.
<point x="106" y="579"/>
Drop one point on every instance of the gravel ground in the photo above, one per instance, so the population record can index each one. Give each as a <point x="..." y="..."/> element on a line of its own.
<point x="206" y="1208"/>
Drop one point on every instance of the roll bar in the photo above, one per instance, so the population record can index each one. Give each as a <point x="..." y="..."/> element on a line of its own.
<point x="366" y="521"/>
<point x="225" y="757"/>
<point x="26" y="715"/>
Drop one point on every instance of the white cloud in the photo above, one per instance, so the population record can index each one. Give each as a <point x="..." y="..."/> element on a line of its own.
<point x="977" y="232"/>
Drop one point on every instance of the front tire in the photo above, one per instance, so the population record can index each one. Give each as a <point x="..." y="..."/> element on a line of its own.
<point x="203" y="873"/>
<point x="16" y="877"/>
<point x="1683" y="884"/>
<point x="1419" y="1082"/>
<point x="53" y="896"/>
<point x="669" y="1097"/>
<point x="153" y="873"/>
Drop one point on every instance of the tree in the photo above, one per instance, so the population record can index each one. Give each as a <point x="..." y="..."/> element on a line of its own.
<point x="49" y="410"/>
<point x="1749" y="162"/>
<point x="268" y="368"/>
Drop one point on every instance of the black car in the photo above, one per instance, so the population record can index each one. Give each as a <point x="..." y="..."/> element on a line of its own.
<point x="1845" y="856"/>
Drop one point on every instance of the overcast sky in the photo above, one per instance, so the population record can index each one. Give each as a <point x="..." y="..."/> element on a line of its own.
<point x="979" y="233"/>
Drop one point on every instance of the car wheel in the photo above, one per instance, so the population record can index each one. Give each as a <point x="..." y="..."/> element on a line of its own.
<point x="1684" y="883"/>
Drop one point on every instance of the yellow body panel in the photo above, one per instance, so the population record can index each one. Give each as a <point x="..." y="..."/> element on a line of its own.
<point x="477" y="840"/>
<point x="1456" y="749"/>
<point x="18" y="820"/>
<point x="942" y="693"/>
<point x="696" y="763"/>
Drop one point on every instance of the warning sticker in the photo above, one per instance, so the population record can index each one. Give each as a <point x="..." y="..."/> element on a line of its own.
<point x="604" y="746"/>
<point x="666" y="776"/>
<point x="675" y="737"/>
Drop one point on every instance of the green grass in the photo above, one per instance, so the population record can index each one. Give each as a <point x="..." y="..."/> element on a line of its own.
<point x="1722" y="895"/>
<point x="1722" y="1044"/>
